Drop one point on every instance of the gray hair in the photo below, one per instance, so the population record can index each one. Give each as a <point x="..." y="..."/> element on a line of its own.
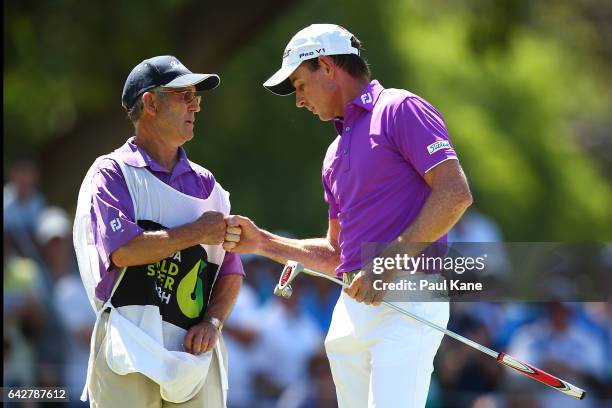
<point x="136" y="110"/>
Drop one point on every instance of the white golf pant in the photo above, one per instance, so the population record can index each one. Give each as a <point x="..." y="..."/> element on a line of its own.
<point x="380" y="357"/>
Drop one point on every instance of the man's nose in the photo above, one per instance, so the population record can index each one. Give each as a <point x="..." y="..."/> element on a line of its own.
<point x="195" y="106"/>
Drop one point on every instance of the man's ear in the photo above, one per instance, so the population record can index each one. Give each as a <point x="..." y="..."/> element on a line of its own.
<point x="149" y="103"/>
<point x="327" y="65"/>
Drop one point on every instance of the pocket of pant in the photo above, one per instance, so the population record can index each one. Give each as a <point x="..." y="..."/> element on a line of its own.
<point x="100" y="357"/>
<point x="102" y="325"/>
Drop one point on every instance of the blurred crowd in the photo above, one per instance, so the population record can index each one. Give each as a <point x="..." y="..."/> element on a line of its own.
<point x="275" y="345"/>
<point x="47" y="317"/>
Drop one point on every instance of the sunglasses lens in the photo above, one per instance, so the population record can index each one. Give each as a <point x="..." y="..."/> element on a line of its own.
<point x="189" y="96"/>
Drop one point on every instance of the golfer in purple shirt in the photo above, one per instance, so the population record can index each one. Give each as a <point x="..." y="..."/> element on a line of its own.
<point x="391" y="176"/>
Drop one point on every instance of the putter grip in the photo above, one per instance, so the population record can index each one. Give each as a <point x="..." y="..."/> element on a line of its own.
<point x="541" y="376"/>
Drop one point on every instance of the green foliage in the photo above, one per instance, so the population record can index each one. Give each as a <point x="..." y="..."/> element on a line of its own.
<point x="62" y="55"/>
<point x="511" y="111"/>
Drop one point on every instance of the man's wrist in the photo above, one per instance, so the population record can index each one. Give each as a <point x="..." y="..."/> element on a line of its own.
<point x="214" y="321"/>
<point x="264" y="243"/>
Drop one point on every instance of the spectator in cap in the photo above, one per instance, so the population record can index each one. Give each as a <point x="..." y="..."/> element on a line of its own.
<point x="22" y="206"/>
<point x="69" y="300"/>
<point x="148" y="232"/>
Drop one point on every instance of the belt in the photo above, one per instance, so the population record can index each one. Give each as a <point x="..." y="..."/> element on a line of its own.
<point x="347" y="277"/>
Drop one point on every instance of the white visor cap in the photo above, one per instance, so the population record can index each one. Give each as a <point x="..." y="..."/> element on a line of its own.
<point x="311" y="42"/>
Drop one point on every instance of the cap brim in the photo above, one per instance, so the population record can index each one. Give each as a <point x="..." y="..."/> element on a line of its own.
<point x="202" y="82"/>
<point x="279" y="83"/>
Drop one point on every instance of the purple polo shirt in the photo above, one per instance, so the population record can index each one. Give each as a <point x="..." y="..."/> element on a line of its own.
<point x="111" y="200"/>
<point x="373" y="172"/>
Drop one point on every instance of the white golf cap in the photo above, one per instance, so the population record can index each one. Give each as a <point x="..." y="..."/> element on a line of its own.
<point x="53" y="222"/>
<point x="311" y="42"/>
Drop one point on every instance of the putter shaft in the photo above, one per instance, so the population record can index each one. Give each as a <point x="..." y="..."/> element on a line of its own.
<point x="502" y="358"/>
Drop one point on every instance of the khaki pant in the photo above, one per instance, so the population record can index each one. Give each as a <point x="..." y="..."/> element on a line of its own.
<point x="108" y="389"/>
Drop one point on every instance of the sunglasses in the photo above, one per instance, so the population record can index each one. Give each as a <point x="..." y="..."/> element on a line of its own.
<point x="188" y="95"/>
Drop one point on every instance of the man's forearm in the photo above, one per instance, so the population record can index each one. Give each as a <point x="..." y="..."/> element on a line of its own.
<point x="223" y="297"/>
<point x="153" y="246"/>
<point x="442" y="209"/>
<point x="315" y="253"/>
<point x="322" y="254"/>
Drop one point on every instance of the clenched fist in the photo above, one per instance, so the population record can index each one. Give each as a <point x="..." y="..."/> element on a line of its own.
<point x="247" y="237"/>
<point x="233" y="234"/>
<point x="212" y="228"/>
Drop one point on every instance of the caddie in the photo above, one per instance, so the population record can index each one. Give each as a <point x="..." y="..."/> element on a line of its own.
<point x="391" y="176"/>
<point x="148" y="233"/>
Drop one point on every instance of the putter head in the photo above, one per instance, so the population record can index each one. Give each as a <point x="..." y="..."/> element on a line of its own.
<point x="286" y="292"/>
<point x="290" y="271"/>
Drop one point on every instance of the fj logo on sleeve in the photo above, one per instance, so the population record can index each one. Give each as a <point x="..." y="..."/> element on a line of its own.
<point x="439" y="145"/>
<point x="115" y="224"/>
<point x="366" y="98"/>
